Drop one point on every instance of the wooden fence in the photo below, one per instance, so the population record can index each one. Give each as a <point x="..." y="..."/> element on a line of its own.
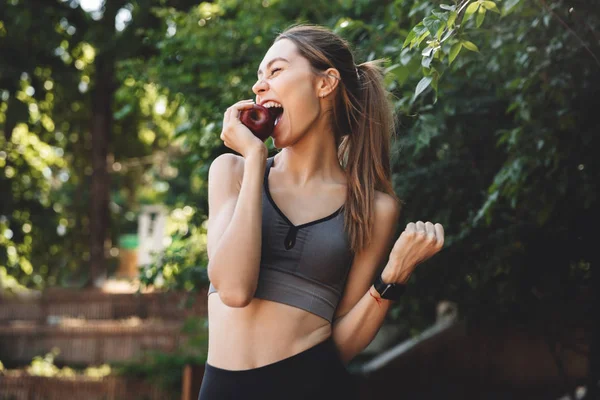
<point x="96" y="304"/>
<point x="92" y="342"/>
<point x="94" y="327"/>
<point x="110" y="388"/>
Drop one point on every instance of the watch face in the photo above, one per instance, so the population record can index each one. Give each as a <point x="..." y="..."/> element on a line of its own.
<point x="389" y="291"/>
<point x="392" y="292"/>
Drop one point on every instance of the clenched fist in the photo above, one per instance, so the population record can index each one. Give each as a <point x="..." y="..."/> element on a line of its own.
<point x="417" y="243"/>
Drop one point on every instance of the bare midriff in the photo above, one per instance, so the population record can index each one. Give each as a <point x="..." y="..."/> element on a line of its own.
<point x="259" y="334"/>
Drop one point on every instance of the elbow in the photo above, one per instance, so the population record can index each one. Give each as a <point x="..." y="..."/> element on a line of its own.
<point x="236" y="294"/>
<point x="235" y="299"/>
<point x="346" y="349"/>
<point x="346" y="357"/>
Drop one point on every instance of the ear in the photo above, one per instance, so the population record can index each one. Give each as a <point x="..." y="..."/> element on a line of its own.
<point x="327" y="82"/>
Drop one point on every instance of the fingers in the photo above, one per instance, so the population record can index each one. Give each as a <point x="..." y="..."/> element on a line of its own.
<point x="231" y="114"/>
<point x="419" y="242"/>
<point x="433" y="233"/>
<point x="439" y="234"/>
<point x="420" y="227"/>
<point x="233" y="111"/>
<point x="241" y="105"/>
<point x="430" y="231"/>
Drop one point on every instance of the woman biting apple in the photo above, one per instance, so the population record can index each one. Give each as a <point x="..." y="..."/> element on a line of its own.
<point x="302" y="258"/>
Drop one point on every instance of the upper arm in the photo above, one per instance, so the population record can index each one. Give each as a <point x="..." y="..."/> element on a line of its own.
<point x="224" y="182"/>
<point x="369" y="260"/>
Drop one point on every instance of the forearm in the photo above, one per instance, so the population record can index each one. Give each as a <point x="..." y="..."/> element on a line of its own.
<point x="356" y="329"/>
<point x="234" y="265"/>
<point x="353" y="332"/>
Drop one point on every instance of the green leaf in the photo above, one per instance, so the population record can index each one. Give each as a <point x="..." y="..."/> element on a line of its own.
<point x="471" y="9"/>
<point x="418" y="41"/>
<point x="434" y="82"/>
<point x="470" y="45"/>
<point x="422" y="85"/>
<point x="440" y="31"/>
<point x="416" y="35"/>
<point x="448" y="7"/>
<point x="441" y="15"/>
<point x="447" y="35"/>
<point x="426" y="61"/>
<point x="451" y="19"/>
<point x="433" y="24"/>
<point x="420" y="28"/>
<point x="405" y="56"/>
<point x="490" y="5"/>
<point x="409" y="38"/>
<point x="509" y="6"/>
<point x="480" y="17"/>
<point x="454" y="50"/>
<point x="434" y="85"/>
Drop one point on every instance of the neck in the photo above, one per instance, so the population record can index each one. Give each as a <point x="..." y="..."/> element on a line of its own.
<point x="313" y="158"/>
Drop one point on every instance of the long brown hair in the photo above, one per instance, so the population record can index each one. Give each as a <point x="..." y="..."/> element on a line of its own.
<point x="363" y="123"/>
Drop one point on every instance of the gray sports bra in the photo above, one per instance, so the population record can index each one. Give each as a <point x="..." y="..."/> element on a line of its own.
<point x="304" y="266"/>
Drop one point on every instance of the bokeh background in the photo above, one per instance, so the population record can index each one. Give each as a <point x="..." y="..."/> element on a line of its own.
<point x="110" y="114"/>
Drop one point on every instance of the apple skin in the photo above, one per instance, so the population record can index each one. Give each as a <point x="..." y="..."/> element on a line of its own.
<point x="259" y="120"/>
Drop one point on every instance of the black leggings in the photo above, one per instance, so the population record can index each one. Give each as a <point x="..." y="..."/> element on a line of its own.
<point x="314" y="374"/>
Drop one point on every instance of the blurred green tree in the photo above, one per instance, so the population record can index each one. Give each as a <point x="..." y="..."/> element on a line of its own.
<point x="510" y="135"/>
<point x="496" y="134"/>
<point x="60" y="90"/>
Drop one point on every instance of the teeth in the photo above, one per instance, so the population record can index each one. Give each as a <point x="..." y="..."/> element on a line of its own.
<point x="270" y="104"/>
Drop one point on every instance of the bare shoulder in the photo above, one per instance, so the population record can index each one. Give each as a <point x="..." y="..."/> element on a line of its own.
<point x="226" y="168"/>
<point x="386" y="207"/>
<point x="229" y="162"/>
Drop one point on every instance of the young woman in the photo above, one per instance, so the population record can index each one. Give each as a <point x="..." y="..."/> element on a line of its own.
<point x="295" y="241"/>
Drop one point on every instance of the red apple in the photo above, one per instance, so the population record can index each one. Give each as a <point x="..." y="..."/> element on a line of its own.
<point x="259" y="120"/>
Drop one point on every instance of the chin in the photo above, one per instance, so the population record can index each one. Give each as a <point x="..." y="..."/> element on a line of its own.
<point x="286" y="138"/>
<point x="276" y="144"/>
<point x="280" y="143"/>
<point x="280" y="137"/>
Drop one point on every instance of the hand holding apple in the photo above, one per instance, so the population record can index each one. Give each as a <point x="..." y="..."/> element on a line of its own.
<point x="236" y="135"/>
<point x="259" y="120"/>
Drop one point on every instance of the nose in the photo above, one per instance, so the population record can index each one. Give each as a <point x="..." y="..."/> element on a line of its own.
<point x="260" y="87"/>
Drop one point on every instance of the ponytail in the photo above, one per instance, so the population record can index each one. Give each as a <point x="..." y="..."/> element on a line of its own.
<point x="362" y="121"/>
<point x="365" y="151"/>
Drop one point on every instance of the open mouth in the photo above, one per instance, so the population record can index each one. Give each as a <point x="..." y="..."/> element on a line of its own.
<point x="275" y="109"/>
<point x="276" y="113"/>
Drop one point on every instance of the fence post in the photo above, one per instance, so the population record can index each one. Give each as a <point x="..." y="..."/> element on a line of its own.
<point x="186" y="383"/>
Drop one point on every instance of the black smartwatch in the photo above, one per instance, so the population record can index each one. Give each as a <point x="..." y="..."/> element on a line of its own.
<point x="389" y="291"/>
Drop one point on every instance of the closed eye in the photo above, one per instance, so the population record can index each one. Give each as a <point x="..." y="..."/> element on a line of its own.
<point x="274" y="70"/>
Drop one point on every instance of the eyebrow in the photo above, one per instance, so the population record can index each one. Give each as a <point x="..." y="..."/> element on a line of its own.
<point x="259" y="72"/>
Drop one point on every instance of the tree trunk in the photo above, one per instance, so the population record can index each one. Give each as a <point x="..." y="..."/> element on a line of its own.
<point x="101" y="120"/>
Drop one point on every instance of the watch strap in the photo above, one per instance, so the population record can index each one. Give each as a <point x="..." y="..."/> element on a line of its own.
<point x="389" y="291"/>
